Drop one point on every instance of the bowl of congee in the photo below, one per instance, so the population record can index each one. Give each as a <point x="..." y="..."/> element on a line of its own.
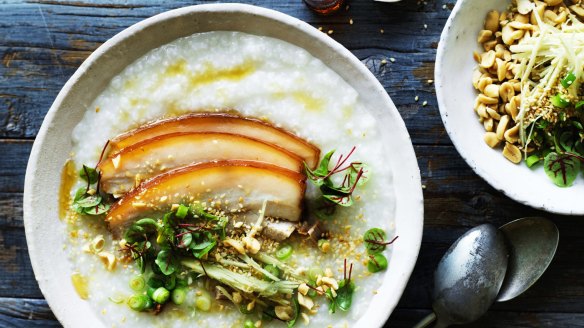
<point x="222" y="166"/>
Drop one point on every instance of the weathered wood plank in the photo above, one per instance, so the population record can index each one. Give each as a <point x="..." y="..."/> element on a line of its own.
<point x="22" y="313"/>
<point x="42" y="43"/>
<point x="408" y="317"/>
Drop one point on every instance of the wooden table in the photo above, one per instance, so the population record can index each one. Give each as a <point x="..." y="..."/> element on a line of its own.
<point x="43" y="42"/>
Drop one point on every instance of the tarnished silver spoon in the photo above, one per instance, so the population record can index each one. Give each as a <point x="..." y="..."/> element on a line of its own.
<point x="532" y="245"/>
<point x="468" y="277"/>
<point x="475" y="270"/>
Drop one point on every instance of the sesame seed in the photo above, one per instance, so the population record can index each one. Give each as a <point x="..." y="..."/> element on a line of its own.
<point x="381" y="31"/>
<point x="425" y="26"/>
<point x="383" y="61"/>
<point x="424" y="103"/>
<point x="417" y="98"/>
<point x="430" y="81"/>
<point x="351" y="21"/>
<point x="330" y="32"/>
<point x="392" y="59"/>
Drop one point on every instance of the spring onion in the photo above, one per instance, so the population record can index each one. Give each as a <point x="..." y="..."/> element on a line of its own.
<point x="560" y="101"/>
<point x="178" y="295"/>
<point x="160" y="295"/>
<point x="273" y="270"/>
<point x="137" y="283"/>
<point x="138" y="302"/>
<point x="203" y="301"/>
<point x="568" y="80"/>
<point x="248" y="324"/>
<point x="182" y="211"/>
<point x="284" y="252"/>
<point x="580" y="104"/>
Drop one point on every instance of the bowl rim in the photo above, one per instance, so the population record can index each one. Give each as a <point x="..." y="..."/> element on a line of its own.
<point x="412" y="191"/>
<point x="493" y="180"/>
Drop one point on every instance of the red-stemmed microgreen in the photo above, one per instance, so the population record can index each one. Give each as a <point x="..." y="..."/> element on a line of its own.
<point x="344" y="295"/>
<point x="355" y="174"/>
<point x="375" y="242"/>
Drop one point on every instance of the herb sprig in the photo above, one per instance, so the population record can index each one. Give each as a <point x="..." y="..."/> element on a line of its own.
<point x="355" y="174"/>
<point x="88" y="200"/>
<point x="344" y="295"/>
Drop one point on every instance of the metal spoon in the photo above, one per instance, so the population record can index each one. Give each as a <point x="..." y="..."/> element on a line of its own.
<point x="532" y="245"/>
<point x="468" y="277"/>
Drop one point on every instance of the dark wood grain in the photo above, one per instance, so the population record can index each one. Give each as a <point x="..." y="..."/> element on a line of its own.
<point x="43" y="42"/>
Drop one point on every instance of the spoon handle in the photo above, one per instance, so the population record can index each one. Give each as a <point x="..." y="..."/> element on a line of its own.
<point x="426" y="321"/>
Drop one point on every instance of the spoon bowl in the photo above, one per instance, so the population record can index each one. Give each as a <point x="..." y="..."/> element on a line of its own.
<point x="532" y="243"/>
<point x="469" y="276"/>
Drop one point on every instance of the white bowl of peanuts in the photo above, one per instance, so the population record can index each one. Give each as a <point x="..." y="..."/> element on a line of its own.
<point x="480" y="82"/>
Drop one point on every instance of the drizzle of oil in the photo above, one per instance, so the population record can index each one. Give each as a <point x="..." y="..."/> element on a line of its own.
<point x="310" y="103"/>
<point x="179" y="67"/>
<point x="68" y="179"/>
<point x="347" y="112"/>
<point x="211" y="74"/>
<point x="80" y="283"/>
<point x="129" y="84"/>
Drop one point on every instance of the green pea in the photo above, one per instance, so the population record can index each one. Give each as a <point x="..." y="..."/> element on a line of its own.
<point x="377" y="262"/>
<point x="179" y="295"/>
<point x="160" y="295"/>
<point x="203" y="302"/>
<point x="284" y="252"/>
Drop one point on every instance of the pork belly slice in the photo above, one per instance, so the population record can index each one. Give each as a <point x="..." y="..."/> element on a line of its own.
<point x="229" y="183"/>
<point x="123" y="170"/>
<point x="221" y="122"/>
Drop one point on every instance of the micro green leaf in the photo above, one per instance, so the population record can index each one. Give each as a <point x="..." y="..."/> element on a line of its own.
<point x="561" y="169"/>
<point x="296" y="309"/>
<point x="89" y="174"/>
<point x="166" y="262"/>
<point x="345" y="295"/>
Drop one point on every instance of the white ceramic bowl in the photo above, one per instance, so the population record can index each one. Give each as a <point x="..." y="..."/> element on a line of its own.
<point x="454" y="66"/>
<point x="44" y="231"/>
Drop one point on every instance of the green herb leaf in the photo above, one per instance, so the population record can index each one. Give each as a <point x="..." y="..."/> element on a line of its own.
<point x="345" y="295"/>
<point x="88" y="200"/>
<point x="332" y="300"/>
<point x="377" y="262"/>
<point x="203" y="243"/>
<point x="374" y="240"/>
<point x="342" y="200"/>
<point x="296" y="309"/>
<point x="561" y="169"/>
<point x="166" y="262"/>
<point x="89" y="174"/>
<point x="354" y="172"/>
<point x="184" y="241"/>
<point x="318" y="176"/>
<point x="98" y="209"/>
